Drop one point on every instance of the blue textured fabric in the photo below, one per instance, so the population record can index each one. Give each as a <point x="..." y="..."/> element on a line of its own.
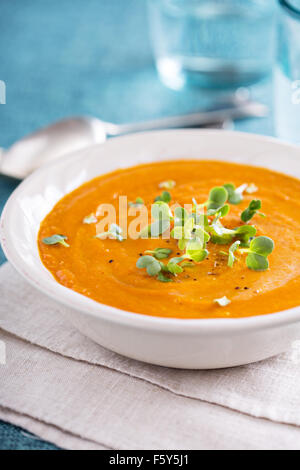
<point x="15" y="438"/>
<point x="62" y="57"/>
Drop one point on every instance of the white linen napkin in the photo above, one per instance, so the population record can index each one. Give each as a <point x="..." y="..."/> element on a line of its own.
<point x="70" y="391"/>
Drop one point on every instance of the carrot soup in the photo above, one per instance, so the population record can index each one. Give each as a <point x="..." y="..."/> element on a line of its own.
<point x="180" y="239"/>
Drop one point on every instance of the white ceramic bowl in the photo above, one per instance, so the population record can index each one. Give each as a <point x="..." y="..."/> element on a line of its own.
<point x="194" y="344"/>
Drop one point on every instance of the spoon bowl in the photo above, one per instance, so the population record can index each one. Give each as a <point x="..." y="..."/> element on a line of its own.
<point x="53" y="141"/>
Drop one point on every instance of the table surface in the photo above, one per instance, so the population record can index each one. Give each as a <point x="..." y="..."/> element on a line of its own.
<point x="63" y="58"/>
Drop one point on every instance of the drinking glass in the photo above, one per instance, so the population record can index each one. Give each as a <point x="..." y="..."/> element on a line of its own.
<point x="287" y="75"/>
<point x="212" y="43"/>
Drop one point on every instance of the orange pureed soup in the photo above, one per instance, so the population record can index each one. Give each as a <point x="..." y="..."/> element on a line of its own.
<point x="105" y="270"/>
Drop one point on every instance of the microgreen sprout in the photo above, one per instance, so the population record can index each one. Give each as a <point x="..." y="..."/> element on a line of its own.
<point x="187" y="264"/>
<point x="245" y="233"/>
<point x="258" y="252"/>
<point x="151" y="265"/>
<point x="162" y="215"/>
<point x="222" y="212"/>
<point x="114" y="232"/>
<point x="157" y="268"/>
<point x="223" y="301"/>
<point x="195" y="229"/>
<point x="138" y="202"/>
<point x="56" y="240"/>
<point x="192" y="237"/>
<point x="170" y="184"/>
<point x="196" y="205"/>
<point x="180" y="216"/>
<point x="196" y="251"/>
<point x="164" y="197"/>
<point x="173" y="266"/>
<point x="222" y="236"/>
<point x="219" y="234"/>
<point x="235" y="195"/>
<point x="183" y="233"/>
<point x="90" y="219"/>
<point x="252" y="209"/>
<point x="161" y="210"/>
<point x="162" y="278"/>
<point x="216" y="200"/>
<point x="201" y="220"/>
<point x="159" y="253"/>
<point x="231" y="255"/>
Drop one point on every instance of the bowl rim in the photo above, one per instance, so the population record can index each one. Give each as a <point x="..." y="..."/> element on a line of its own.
<point x="73" y="300"/>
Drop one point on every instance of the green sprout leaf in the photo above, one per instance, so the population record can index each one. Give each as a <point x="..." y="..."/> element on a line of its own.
<point x="114" y="232"/>
<point x="223" y="239"/>
<point x="251" y="210"/>
<point x="196" y="206"/>
<point x="262" y="246"/>
<point x="177" y="233"/>
<point x="223" y="211"/>
<point x="219" y="234"/>
<point x="198" y="256"/>
<point x="159" y="253"/>
<point x="216" y="225"/>
<point x="258" y="252"/>
<point x="177" y="259"/>
<point x="161" y="214"/>
<point x="182" y="244"/>
<point x="187" y="264"/>
<point x="160" y="210"/>
<point x="56" y="240"/>
<point x="162" y="278"/>
<point x="138" y="202"/>
<point x="149" y="263"/>
<point x="180" y="216"/>
<point x="223" y="301"/>
<point x="235" y="195"/>
<point x="183" y="234"/>
<point x="257" y="262"/>
<point x="231" y="255"/>
<point x="173" y="267"/>
<point x="201" y="235"/>
<point x="157" y="228"/>
<point x="90" y="219"/>
<point x="223" y="236"/>
<point x="245" y="233"/>
<point x="202" y="221"/>
<point x="216" y="200"/>
<point x="164" y="197"/>
<point x="192" y="237"/>
<point x="195" y="251"/>
<point x="170" y="184"/>
<point x="157" y="268"/>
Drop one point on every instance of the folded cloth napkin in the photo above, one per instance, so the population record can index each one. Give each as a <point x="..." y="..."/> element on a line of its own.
<point x="70" y="391"/>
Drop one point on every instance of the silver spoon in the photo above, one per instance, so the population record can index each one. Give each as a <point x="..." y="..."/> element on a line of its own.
<point x="72" y="134"/>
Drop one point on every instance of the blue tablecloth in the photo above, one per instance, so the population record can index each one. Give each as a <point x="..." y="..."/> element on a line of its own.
<point x="62" y="57"/>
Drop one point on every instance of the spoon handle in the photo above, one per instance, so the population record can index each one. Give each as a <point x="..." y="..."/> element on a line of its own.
<point x="206" y="118"/>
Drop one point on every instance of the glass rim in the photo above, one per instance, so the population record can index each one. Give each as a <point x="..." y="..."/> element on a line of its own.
<point x="290" y="8"/>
